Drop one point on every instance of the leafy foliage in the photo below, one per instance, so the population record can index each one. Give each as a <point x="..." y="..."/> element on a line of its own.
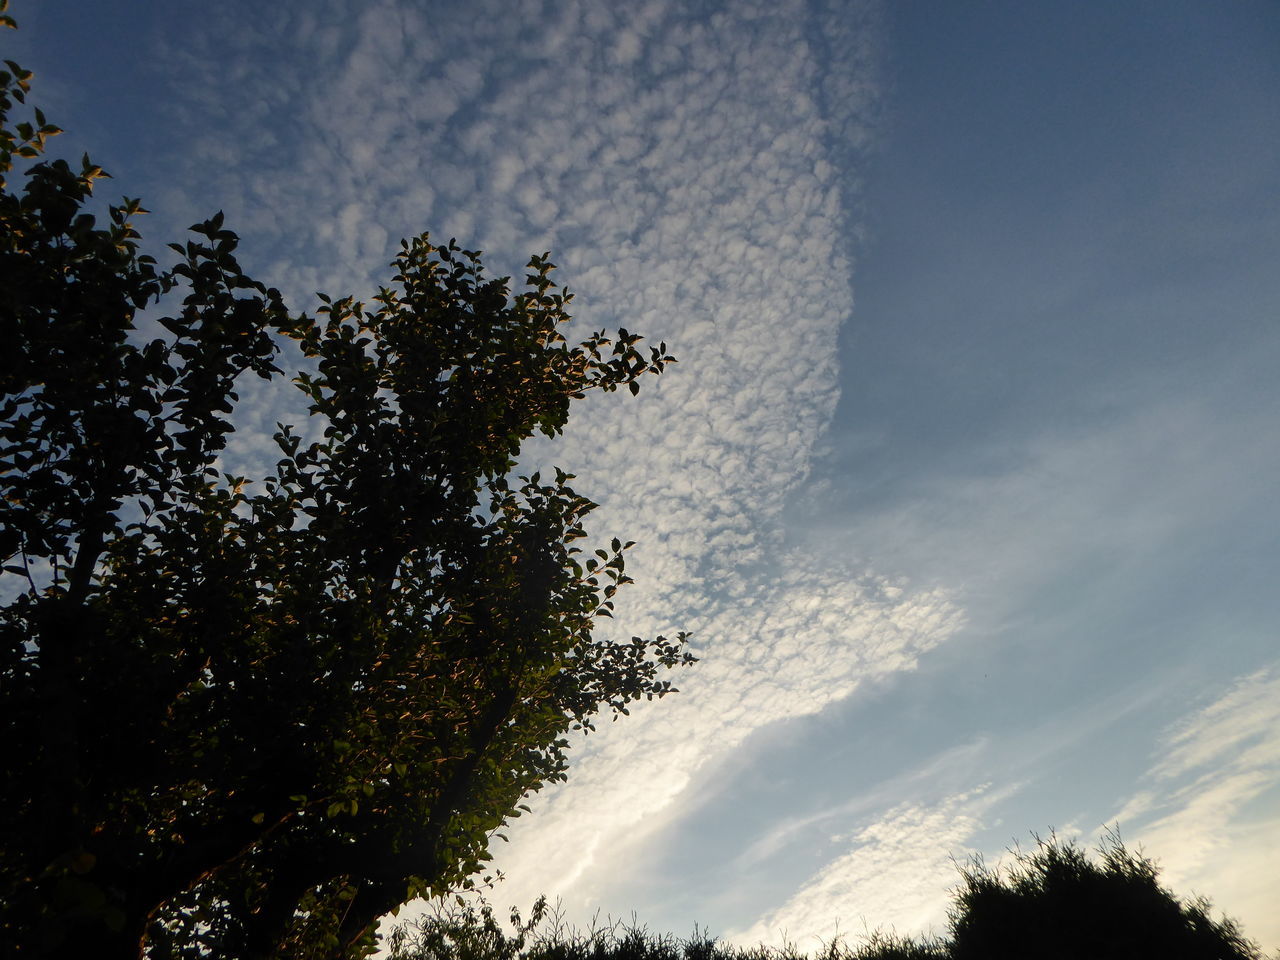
<point x="1054" y="903"/>
<point x="247" y="718"/>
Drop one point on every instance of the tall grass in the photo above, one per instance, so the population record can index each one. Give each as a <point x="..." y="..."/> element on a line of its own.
<point x="1052" y="903"/>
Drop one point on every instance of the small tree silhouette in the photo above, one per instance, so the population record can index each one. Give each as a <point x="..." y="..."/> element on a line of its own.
<point x="1055" y="903"/>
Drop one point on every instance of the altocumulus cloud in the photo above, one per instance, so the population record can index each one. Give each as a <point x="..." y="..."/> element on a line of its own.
<point x="689" y="167"/>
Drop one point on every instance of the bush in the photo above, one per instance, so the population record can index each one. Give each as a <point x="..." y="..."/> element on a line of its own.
<point x="1056" y="903"/>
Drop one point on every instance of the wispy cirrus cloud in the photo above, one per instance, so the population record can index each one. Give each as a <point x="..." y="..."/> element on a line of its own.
<point x="896" y="875"/>
<point x="785" y="652"/>
<point x="1210" y="813"/>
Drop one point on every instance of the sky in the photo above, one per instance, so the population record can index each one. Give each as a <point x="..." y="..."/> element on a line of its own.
<point x="965" y="482"/>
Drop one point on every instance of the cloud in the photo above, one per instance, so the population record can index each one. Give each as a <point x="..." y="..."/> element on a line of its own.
<point x="1156" y="479"/>
<point x="791" y="833"/>
<point x="791" y="649"/>
<point x="1242" y="725"/>
<point x="896" y="875"/>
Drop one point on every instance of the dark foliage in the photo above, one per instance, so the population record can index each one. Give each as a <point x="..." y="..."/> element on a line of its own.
<point x="463" y="931"/>
<point x="1057" y="903"/>
<point x="247" y="718"/>
<point x="1054" y="903"/>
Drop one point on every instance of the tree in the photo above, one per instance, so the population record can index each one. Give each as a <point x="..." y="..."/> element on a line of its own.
<point x="248" y="718"/>
<point x="1056" y="903"/>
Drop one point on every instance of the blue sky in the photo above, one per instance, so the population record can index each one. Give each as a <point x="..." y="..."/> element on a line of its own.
<point x="966" y="481"/>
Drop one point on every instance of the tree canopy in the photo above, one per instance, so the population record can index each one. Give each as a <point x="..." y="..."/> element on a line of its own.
<point x="247" y="717"/>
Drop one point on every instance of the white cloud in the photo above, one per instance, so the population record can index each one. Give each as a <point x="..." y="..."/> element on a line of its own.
<point x="791" y="649"/>
<point x="791" y="832"/>
<point x="1242" y="726"/>
<point x="896" y="875"/>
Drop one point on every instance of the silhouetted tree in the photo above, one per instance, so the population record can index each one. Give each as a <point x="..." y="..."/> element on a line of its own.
<point x="1056" y="903"/>
<point x="246" y="719"/>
